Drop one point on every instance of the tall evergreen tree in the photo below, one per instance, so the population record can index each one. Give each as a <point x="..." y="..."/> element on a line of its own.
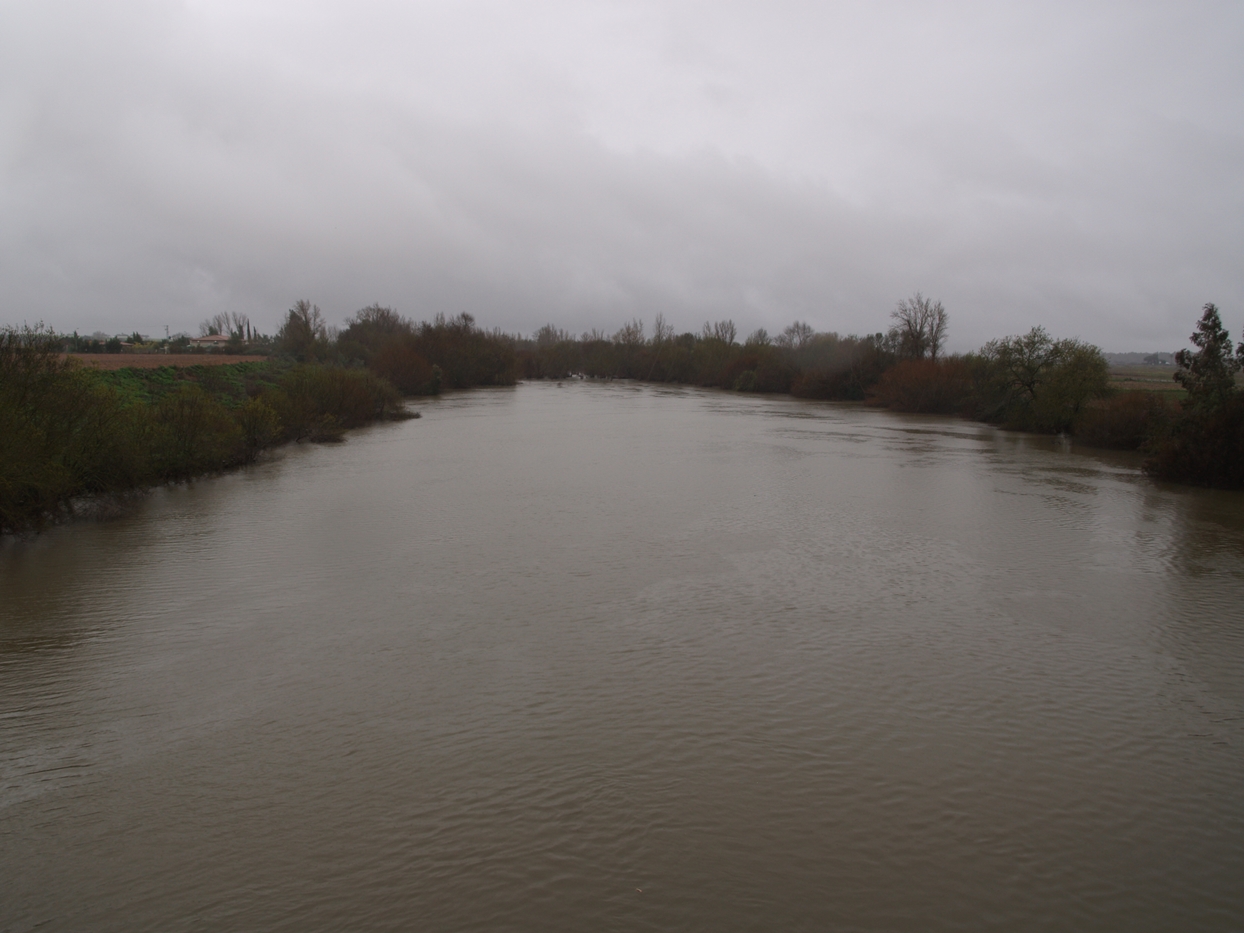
<point x="1208" y="374"/>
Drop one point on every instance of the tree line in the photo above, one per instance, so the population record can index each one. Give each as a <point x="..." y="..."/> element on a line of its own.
<point x="68" y="431"/>
<point x="1031" y="382"/>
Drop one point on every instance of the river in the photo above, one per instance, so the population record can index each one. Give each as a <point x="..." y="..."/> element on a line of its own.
<point x="621" y="657"/>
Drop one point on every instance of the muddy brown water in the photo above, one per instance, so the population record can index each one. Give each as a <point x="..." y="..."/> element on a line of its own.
<point x="616" y="657"/>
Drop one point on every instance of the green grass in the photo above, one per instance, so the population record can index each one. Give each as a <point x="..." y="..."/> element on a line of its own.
<point x="230" y="385"/>
<point x="1159" y="379"/>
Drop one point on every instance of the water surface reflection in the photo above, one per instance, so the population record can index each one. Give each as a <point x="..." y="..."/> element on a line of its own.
<point x="621" y="657"/>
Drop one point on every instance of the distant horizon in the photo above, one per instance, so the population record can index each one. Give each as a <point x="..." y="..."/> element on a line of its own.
<point x="174" y="335"/>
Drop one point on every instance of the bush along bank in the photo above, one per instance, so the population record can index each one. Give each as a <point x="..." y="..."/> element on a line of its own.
<point x="68" y="431"/>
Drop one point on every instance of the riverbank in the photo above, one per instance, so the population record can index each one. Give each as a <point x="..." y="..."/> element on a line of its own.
<point x="71" y="433"/>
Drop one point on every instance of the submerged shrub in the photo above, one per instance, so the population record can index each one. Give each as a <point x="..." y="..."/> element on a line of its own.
<point x="67" y="432"/>
<point x="467" y="356"/>
<point x="940" y="387"/>
<point x="261" y="427"/>
<point x="62" y="434"/>
<point x="1035" y="383"/>
<point x="746" y="382"/>
<point x="194" y="433"/>
<point x="1203" y="445"/>
<point x="307" y="396"/>
<point x="1124" y="421"/>
<point x="833" y="367"/>
<point x="400" y="362"/>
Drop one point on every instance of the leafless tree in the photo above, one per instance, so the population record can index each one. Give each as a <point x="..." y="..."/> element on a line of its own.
<point x="376" y="318"/>
<point x="550" y="335"/>
<point x="919" y="329"/>
<point x="725" y="331"/>
<point x="631" y="335"/>
<point x="303" y="327"/>
<point x="795" y="336"/>
<point x="758" y="338"/>
<point x="661" y="331"/>
<point x="239" y="325"/>
<point x="230" y="324"/>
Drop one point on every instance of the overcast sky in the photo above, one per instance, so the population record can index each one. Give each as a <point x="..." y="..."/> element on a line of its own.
<point x="1076" y="165"/>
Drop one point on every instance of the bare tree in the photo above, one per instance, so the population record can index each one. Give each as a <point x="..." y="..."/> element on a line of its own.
<point x="795" y="336"/>
<point x="239" y="325"/>
<point x="631" y="334"/>
<point x="758" y="338"/>
<point x="919" y="328"/>
<point x="549" y="335"/>
<point x="229" y="324"/>
<point x="461" y="323"/>
<point x="376" y="318"/>
<point x="662" y="333"/>
<point x="302" y="328"/>
<point x="725" y="331"/>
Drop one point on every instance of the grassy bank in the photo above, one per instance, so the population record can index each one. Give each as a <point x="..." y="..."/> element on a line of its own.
<point x="69" y="431"/>
<point x="1158" y="379"/>
<point x="158" y="360"/>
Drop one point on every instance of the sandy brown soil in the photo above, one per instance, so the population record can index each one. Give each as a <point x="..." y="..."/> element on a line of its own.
<point x="156" y="360"/>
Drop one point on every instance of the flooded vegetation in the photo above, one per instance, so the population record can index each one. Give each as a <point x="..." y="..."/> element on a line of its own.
<point x="594" y="529"/>
<point x="620" y="656"/>
<point x="72" y="431"/>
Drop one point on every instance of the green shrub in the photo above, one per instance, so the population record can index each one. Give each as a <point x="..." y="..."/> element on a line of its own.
<point x="315" y="401"/>
<point x="746" y="381"/>
<point x="261" y="427"/>
<point x="67" y="432"/>
<point x="62" y="433"/>
<point x="193" y="433"/>
<point x="1035" y="383"/>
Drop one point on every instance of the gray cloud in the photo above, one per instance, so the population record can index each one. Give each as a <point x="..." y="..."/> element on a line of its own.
<point x="1075" y="166"/>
